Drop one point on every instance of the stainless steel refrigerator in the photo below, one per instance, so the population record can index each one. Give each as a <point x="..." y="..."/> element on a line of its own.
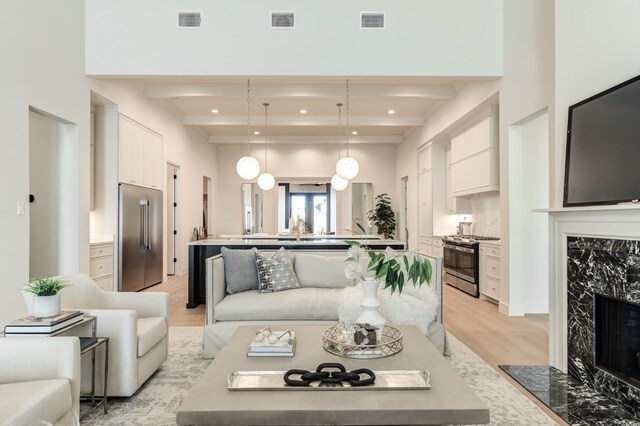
<point x="140" y="235"/>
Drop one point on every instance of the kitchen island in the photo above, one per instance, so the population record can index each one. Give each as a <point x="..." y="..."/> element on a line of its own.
<point x="199" y="251"/>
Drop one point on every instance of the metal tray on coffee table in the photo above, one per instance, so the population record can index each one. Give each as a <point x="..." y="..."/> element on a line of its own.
<point x="274" y="380"/>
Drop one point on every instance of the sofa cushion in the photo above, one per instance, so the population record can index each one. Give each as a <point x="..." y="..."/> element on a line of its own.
<point x="240" y="272"/>
<point x="150" y="332"/>
<point x="315" y="270"/>
<point x="275" y="273"/>
<point x="35" y="402"/>
<point x="296" y="304"/>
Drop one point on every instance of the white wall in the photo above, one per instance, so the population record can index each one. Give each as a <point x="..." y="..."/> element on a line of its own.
<point x="526" y="87"/>
<point x="43" y="67"/>
<point x="421" y="38"/>
<point x="313" y="162"/>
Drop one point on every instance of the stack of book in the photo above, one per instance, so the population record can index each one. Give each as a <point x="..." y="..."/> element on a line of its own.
<point x="286" y="346"/>
<point x="42" y="326"/>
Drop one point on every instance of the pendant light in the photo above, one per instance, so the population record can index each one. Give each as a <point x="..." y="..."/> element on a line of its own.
<point x="248" y="167"/>
<point x="347" y="167"/>
<point x="338" y="183"/>
<point x="266" y="181"/>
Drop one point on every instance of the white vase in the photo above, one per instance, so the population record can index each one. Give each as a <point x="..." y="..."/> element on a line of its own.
<point x="370" y="304"/>
<point x="45" y="306"/>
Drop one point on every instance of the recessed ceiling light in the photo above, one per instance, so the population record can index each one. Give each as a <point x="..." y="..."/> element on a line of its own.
<point x="256" y="132"/>
<point x="355" y="132"/>
<point x="215" y="111"/>
<point x="303" y="111"/>
<point x="391" y="111"/>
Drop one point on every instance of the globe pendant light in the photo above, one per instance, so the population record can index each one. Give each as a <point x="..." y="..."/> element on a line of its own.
<point x="266" y="181"/>
<point x="347" y="167"/>
<point x="338" y="183"/>
<point x="248" y="167"/>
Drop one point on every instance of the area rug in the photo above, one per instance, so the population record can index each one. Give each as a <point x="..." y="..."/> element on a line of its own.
<point x="158" y="400"/>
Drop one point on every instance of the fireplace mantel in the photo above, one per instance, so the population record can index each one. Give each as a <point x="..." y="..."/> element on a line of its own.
<point x="617" y="222"/>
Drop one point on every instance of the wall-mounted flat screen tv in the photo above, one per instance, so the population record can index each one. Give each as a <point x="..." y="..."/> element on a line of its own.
<point x="603" y="148"/>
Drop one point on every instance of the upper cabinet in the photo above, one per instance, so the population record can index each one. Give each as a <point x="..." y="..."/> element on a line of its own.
<point x="455" y="205"/>
<point x="474" y="159"/>
<point x="139" y="155"/>
<point x="431" y="191"/>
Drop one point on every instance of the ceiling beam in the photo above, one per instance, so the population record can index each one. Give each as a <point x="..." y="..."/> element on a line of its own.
<point x="303" y="139"/>
<point x="235" y="90"/>
<point x="355" y="121"/>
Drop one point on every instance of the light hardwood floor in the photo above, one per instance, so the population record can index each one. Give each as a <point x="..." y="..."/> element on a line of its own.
<point x="494" y="337"/>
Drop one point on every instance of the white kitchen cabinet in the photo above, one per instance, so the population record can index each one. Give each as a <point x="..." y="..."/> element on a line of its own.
<point x="139" y="155"/>
<point x="489" y="258"/>
<point x="424" y="159"/>
<point x="101" y="264"/>
<point x="152" y="166"/>
<point x="474" y="159"/>
<point x="455" y="205"/>
<point x="425" y="209"/>
<point x="431" y="246"/>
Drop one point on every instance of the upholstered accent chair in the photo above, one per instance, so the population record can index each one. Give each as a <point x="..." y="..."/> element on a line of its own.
<point x="39" y="381"/>
<point x="137" y="325"/>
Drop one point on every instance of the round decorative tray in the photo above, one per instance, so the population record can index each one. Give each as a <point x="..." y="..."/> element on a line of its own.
<point x="333" y="341"/>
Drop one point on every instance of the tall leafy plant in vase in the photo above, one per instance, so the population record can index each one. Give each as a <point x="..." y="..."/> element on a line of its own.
<point x="389" y="267"/>
<point x="383" y="217"/>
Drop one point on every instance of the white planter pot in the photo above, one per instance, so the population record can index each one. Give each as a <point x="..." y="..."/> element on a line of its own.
<point x="370" y="304"/>
<point x="45" y="306"/>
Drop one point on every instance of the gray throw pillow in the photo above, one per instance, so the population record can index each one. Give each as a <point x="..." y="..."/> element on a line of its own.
<point x="240" y="271"/>
<point x="275" y="273"/>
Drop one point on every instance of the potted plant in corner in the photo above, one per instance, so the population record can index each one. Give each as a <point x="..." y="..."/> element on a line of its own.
<point x="389" y="267"/>
<point x="46" y="296"/>
<point x="383" y="217"/>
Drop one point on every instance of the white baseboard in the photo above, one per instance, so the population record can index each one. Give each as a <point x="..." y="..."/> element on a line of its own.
<point x="511" y="310"/>
<point x="537" y="308"/>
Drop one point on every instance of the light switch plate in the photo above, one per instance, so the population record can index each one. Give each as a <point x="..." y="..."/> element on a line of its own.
<point x="20" y="207"/>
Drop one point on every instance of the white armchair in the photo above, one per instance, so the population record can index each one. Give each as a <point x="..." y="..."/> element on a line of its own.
<point x="137" y="325"/>
<point x="39" y="381"/>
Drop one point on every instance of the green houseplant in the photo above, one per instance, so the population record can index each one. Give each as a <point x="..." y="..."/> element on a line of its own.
<point x="45" y="296"/>
<point x="383" y="217"/>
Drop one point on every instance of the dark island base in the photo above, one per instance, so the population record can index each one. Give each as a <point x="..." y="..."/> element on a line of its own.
<point x="575" y="402"/>
<point x="199" y="253"/>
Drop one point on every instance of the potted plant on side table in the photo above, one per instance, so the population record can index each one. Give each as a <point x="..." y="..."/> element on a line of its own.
<point x="46" y="296"/>
<point x="390" y="267"/>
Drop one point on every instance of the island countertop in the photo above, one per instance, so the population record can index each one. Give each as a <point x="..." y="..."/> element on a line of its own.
<point x="200" y="251"/>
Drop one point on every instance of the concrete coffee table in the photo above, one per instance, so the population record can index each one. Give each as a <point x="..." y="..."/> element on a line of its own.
<point x="449" y="401"/>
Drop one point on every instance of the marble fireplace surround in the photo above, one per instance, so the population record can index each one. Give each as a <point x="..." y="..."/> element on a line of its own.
<point x="579" y="227"/>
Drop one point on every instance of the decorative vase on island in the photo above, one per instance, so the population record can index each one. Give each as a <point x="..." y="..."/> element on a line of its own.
<point x="45" y="306"/>
<point x="370" y="304"/>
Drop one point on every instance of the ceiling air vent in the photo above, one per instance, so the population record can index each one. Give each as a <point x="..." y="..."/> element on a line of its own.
<point x="282" y="20"/>
<point x="189" y="19"/>
<point x="371" y="20"/>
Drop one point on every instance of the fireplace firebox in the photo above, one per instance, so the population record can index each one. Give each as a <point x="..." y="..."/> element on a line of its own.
<point x="617" y="344"/>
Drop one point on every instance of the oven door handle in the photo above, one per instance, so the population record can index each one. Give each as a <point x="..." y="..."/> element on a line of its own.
<point x="458" y="248"/>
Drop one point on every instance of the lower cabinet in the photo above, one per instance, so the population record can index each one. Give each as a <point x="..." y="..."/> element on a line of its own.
<point x="489" y="259"/>
<point x="431" y="246"/>
<point x="101" y="265"/>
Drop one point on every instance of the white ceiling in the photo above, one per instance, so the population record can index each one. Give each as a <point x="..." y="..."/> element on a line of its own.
<point x="412" y="99"/>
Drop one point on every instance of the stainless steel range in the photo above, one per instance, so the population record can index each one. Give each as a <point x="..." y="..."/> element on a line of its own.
<point x="461" y="261"/>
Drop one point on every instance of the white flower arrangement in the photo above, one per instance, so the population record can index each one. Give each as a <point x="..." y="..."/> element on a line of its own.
<point x="388" y="266"/>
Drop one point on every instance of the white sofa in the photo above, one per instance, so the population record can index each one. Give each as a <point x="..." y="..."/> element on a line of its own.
<point x="39" y="381"/>
<point x="307" y="305"/>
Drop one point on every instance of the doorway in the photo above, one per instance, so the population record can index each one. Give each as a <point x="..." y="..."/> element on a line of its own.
<point x="173" y="237"/>
<point x="206" y="190"/>
<point x="313" y="209"/>
<point x="53" y="195"/>
<point x="404" y="214"/>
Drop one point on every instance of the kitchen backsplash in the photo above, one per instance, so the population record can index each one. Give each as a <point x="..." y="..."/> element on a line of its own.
<point x="485" y="209"/>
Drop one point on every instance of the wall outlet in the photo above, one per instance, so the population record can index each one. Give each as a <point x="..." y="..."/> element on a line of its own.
<point x="20" y="207"/>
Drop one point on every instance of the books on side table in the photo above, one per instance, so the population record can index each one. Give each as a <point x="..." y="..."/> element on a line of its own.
<point x="283" y="346"/>
<point x="42" y="326"/>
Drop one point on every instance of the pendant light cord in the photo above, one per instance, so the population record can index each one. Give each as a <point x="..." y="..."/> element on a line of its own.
<point x="266" y="134"/>
<point x="248" y="115"/>
<point x="339" y="105"/>
<point x="347" y="127"/>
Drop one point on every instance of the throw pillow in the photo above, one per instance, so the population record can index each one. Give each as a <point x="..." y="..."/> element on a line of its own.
<point x="275" y="273"/>
<point x="315" y="270"/>
<point x="240" y="272"/>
